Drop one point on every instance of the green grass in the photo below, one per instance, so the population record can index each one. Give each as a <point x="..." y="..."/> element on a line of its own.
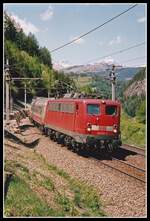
<point x="74" y="199"/>
<point x="132" y="131"/>
<point x="48" y="184"/>
<point x="22" y="201"/>
<point x="84" y="196"/>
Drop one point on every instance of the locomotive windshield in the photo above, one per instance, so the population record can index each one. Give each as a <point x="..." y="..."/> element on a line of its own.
<point x="111" y="110"/>
<point x="93" y="109"/>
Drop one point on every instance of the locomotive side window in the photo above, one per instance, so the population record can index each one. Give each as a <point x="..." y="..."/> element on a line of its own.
<point x="111" y="110"/>
<point x="68" y="108"/>
<point x="54" y="106"/>
<point x="93" y="109"/>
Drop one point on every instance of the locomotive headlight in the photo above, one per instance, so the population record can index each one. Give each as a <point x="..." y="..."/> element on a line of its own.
<point x="89" y="127"/>
<point x="115" y="130"/>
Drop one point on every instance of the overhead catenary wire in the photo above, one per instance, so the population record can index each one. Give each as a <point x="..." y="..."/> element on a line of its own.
<point x="137" y="58"/>
<point x="94" y="29"/>
<point x="113" y="53"/>
<point x="117" y="52"/>
<point x="129" y="60"/>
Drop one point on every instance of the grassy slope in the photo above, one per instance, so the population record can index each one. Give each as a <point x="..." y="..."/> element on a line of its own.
<point x="132" y="131"/>
<point x="22" y="200"/>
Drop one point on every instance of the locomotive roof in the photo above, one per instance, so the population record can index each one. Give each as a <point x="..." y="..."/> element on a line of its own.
<point x="87" y="100"/>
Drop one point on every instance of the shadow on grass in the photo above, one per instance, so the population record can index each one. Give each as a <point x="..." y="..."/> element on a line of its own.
<point x="8" y="178"/>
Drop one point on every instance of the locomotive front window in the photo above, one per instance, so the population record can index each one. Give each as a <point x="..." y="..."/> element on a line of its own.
<point x="93" y="109"/>
<point x="111" y="110"/>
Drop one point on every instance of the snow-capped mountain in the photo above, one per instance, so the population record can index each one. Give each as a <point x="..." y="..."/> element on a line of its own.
<point x="61" y="65"/>
<point x="84" y="68"/>
<point x="100" y="68"/>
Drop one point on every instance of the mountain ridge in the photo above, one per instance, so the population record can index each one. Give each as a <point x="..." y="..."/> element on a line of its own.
<point x="100" y="69"/>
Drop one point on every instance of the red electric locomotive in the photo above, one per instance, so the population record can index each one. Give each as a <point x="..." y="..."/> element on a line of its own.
<point x="80" y="122"/>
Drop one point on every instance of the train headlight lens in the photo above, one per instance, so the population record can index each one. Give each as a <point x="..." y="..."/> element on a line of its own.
<point x="89" y="127"/>
<point x="115" y="130"/>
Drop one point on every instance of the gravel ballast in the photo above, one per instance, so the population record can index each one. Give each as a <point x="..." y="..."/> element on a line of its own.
<point x="122" y="196"/>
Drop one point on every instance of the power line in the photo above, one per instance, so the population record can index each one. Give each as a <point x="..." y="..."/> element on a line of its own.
<point x="94" y="29"/>
<point x="137" y="58"/>
<point x="139" y="65"/>
<point x="113" y="53"/>
<point x="117" y="52"/>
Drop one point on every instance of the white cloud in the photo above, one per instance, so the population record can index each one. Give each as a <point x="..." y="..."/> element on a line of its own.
<point x="142" y="19"/>
<point x="108" y="59"/>
<point x="78" y="41"/>
<point x="25" y="25"/>
<point x="58" y="65"/>
<point x="116" y="40"/>
<point x="47" y="14"/>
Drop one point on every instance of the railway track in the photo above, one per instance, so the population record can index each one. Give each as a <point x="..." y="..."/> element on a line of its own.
<point x="123" y="167"/>
<point x="135" y="149"/>
<point x="114" y="163"/>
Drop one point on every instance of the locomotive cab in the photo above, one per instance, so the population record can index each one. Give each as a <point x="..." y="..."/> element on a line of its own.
<point x="103" y="124"/>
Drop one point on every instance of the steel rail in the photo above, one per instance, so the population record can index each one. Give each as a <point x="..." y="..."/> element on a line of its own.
<point x="123" y="172"/>
<point x="138" y="150"/>
<point x="128" y="164"/>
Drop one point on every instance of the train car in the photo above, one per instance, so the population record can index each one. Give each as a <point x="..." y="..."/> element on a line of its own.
<point x="38" y="111"/>
<point x="84" y="122"/>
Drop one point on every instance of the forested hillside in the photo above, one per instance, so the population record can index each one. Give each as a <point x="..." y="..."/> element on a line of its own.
<point x="134" y="96"/>
<point x="133" y="116"/>
<point x="28" y="59"/>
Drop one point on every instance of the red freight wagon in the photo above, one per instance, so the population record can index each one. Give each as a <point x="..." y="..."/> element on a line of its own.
<point x="92" y="122"/>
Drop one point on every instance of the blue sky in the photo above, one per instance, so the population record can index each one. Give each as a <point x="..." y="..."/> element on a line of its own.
<point x="57" y="24"/>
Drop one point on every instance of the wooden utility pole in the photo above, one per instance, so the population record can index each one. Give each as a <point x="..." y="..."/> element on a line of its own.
<point x="25" y="95"/>
<point x="7" y="81"/>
